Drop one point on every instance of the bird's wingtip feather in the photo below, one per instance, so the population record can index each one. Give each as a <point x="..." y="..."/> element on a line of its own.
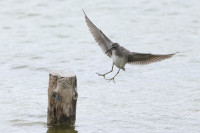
<point x="84" y="12"/>
<point x="175" y="53"/>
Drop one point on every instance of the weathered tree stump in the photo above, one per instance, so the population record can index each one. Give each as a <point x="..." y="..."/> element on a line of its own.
<point x="62" y="97"/>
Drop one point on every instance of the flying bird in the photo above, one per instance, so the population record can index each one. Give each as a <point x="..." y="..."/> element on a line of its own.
<point x="119" y="54"/>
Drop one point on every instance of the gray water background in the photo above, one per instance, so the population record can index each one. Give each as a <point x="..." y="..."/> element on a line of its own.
<point x="39" y="36"/>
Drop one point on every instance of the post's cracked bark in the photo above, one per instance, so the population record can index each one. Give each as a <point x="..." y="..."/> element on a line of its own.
<point x="62" y="98"/>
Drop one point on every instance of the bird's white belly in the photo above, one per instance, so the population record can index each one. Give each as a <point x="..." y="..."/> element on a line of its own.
<point x="119" y="61"/>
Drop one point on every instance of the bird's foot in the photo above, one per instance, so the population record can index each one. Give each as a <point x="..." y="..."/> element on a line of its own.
<point x="111" y="79"/>
<point x="102" y="75"/>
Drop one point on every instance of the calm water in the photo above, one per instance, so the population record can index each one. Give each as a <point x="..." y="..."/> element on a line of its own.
<point x="40" y="36"/>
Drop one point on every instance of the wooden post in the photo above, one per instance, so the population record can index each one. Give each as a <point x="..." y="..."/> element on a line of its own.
<point x="61" y="129"/>
<point x="62" y="97"/>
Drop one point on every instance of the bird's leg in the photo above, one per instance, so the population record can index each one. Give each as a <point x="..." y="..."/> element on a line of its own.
<point x="107" y="72"/>
<point x="113" y="77"/>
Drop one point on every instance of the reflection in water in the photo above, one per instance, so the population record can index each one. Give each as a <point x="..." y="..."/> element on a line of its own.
<point x="61" y="129"/>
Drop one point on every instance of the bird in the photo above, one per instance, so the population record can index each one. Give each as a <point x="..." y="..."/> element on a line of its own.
<point x="120" y="55"/>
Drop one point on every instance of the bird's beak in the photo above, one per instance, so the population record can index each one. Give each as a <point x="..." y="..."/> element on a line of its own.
<point x="109" y="49"/>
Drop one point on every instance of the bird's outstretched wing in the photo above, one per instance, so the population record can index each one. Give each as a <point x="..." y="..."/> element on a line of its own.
<point x="143" y="59"/>
<point x="104" y="42"/>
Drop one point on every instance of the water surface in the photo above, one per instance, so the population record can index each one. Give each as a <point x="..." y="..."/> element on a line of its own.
<point x="40" y="36"/>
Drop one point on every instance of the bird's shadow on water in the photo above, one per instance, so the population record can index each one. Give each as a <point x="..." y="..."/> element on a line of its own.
<point x="61" y="129"/>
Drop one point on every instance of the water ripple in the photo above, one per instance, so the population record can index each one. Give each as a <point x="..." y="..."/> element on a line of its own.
<point x="20" y="67"/>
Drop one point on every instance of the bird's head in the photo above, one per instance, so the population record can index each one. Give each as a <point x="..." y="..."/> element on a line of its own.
<point x="113" y="47"/>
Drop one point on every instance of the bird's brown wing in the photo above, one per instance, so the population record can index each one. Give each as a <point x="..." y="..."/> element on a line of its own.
<point x="143" y="59"/>
<point x="104" y="42"/>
